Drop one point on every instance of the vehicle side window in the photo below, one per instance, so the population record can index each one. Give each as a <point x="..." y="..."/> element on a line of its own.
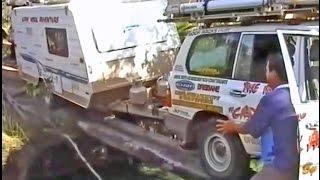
<point x="57" y="41"/>
<point x="304" y="54"/>
<point x="252" y="58"/>
<point x="213" y="55"/>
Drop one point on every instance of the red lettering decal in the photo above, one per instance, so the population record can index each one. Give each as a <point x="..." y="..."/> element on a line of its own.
<point x="56" y="19"/>
<point x="301" y="116"/>
<point x="250" y="88"/>
<point x="243" y="113"/>
<point x="211" y="88"/>
<point x="34" y="19"/>
<point x="313" y="140"/>
<point x="236" y="113"/>
<point x="25" y="19"/>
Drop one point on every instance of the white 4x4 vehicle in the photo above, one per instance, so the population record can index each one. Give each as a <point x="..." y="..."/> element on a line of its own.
<point x="221" y="71"/>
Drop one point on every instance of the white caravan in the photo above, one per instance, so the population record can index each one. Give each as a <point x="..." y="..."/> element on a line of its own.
<point x="86" y="48"/>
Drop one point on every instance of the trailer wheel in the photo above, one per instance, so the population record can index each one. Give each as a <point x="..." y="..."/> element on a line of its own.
<point x="222" y="156"/>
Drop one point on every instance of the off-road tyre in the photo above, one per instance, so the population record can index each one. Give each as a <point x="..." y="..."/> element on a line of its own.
<point x="236" y="168"/>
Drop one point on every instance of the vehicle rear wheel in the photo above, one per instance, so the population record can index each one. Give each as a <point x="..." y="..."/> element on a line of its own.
<point x="222" y="156"/>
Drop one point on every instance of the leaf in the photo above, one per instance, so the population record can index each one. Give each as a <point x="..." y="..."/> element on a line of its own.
<point x="256" y="165"/>
<point x="184" y="28"/>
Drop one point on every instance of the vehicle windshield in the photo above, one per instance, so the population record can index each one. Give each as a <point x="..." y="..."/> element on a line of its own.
<point x="304" y="54"/>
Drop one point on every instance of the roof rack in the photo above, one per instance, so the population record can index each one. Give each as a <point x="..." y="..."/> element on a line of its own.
<point x="17" y="3"/>
<point x="240" y="11"/>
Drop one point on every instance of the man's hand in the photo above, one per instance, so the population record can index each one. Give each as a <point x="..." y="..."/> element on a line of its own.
<point x="224" y="126"/>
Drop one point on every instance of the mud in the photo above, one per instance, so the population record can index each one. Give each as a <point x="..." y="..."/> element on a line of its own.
<point x="49" y="156"/>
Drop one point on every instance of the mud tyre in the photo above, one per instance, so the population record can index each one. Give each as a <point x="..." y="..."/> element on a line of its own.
<point x="222" y="156"/>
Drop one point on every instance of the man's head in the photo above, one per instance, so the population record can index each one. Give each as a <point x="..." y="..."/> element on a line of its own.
<point x="275" y="70"/>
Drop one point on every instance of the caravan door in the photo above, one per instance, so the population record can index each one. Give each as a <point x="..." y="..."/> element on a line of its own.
<point x="301" y="52"/>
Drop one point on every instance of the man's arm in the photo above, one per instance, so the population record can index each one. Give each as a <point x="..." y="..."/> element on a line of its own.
<point x="230" y="126"/>
<point x="254" y="126"/>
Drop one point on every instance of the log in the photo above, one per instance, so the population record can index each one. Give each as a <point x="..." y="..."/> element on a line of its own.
<point x="144" y="145"/>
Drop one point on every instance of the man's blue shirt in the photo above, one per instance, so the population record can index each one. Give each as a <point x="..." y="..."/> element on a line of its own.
<point x="267" y="147"/>
<point x="276" y="111"/>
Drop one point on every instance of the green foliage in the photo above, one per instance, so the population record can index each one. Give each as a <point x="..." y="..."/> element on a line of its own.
<point x="11" y="127"/>
<point x="13" y="136"/>
<point x="256" y="165"/>
<point x="157" y="173"/>
<point x="6" y="25"/>
<point x="34" y="90"/>
<point x="184" y="28"/>
<point x="5" y="20"/>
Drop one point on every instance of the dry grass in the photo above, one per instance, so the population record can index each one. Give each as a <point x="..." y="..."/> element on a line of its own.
<point x="9" y="144"/>
<point x="13" y="137"/>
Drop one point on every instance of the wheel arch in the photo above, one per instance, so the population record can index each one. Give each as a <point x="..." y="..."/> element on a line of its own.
<point x="199" y="118"/>
<point x="202" y="117"/>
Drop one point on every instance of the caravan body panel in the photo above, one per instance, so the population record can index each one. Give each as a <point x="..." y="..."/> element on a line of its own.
<point x="86" y="49"/>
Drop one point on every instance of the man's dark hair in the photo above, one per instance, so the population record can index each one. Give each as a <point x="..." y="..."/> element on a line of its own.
<point x="276" y="64"/>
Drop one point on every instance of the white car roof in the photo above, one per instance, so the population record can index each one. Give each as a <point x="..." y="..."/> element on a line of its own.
<point x="266" y="27"/>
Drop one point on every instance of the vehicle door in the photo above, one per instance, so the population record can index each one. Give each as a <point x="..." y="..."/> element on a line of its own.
<point x="205" y="64"/>
<point x="301" y="48"/>
<point x="248" y="84"/>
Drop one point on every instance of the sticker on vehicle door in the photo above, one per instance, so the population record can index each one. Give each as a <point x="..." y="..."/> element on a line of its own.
<point x="185" y="85"/>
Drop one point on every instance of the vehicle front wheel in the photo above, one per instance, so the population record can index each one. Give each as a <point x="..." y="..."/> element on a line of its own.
<point x="222" y="156"/>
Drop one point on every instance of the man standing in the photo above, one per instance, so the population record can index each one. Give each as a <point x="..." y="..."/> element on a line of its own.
<point x="276" y="112"/>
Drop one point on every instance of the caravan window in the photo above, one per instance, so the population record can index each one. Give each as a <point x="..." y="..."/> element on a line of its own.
<point x="57" y="41"/>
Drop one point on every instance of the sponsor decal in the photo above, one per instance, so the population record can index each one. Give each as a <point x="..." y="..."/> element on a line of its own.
<point x="251" y="140"/>
<point x="195" y="97"/>
<point x="301" y="116"/>
<point x="181" y="112"/>
<point x="178" y="68"/>
<point x="313" y="141"/>
<point x="206" y="87"/>
<point x="250" y="87"/>
<point x="298" y="144"/>
<point x="185" y="85"/>
<point x="49" y="19"/>
<point x="242" y="112"/>
<point x="313" y="126"/>
<point x="201" y="79"/>
<point x="209" y="30"/>
<point x="198" y="101"/>
<point x="309" y="168"/>
<point x="201" y="106"/>
<point x="65" y="74"/>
